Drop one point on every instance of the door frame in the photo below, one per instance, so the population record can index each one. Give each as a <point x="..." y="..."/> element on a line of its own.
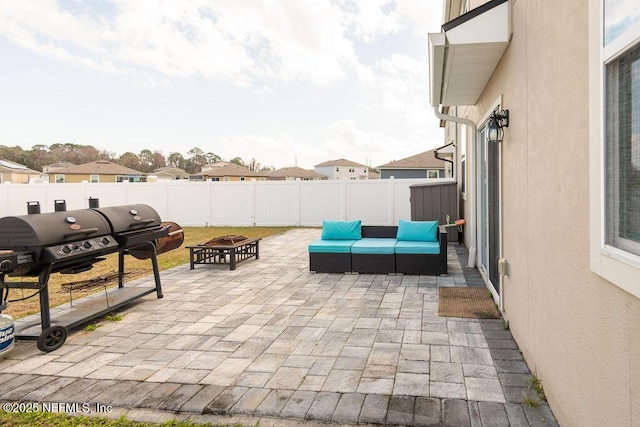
<point x="482" y="217"/>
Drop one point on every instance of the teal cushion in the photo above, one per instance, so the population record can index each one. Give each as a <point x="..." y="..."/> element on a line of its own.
<point x="371" y="245"/>
<point x="413" y="247"/>
<point x="418" y="231"/>
<point x="331" y="246"/>
<point x="342" y="230"/>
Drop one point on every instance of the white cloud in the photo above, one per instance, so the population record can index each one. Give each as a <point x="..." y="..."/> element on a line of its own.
<point x="377" y="106"/>
<point x="235" y="41"/>
<point x="399" y="85"/>
<point x="240" y="41"/>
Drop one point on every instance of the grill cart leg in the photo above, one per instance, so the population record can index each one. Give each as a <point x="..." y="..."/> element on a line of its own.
<point x="52" y="337"/>
<point x="156" y="270"/>
<point x="43" y="285"/>
<point x="120" y="268"/>
<point x="4" y="293"/>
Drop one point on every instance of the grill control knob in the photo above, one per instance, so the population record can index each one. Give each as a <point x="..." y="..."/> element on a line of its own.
<point x="105" y="241"/>
<point x="67" y="249"/>
<point x="87" y="245"/>
<point x="6" y="265"/>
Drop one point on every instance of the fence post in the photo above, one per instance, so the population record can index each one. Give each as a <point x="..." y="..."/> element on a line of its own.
<point x="297" y="202"/>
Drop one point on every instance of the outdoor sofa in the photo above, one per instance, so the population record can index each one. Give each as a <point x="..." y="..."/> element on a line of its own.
<point x="411" y="247"/>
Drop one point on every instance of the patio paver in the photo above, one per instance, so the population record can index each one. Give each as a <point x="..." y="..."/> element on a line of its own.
<point x="273" y="340"/>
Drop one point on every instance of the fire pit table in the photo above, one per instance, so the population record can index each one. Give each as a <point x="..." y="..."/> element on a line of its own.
<point x="218" y="250"/>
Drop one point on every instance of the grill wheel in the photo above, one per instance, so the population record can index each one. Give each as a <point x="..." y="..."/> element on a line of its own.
<point x="52" y="338"/>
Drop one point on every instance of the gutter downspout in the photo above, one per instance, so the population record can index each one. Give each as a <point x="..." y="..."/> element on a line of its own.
<point x="435" y="154"/>
<point x="471" y="195"/>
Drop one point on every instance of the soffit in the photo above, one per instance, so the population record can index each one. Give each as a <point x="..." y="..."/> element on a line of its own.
<point x="463" y="57"/>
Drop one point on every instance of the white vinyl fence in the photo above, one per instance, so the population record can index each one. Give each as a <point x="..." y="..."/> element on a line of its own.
<point x="248" y="203"/>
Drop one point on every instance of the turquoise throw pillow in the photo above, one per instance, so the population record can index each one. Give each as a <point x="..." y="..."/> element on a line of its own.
<point x="418" y="231"/>
<point x="342" y="230"/>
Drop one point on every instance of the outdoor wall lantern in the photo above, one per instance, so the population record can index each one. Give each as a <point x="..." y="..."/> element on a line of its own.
<point x="497" y="121"/>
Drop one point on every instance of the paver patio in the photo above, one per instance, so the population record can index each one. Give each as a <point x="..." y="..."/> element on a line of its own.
<point x="274" y="343"/>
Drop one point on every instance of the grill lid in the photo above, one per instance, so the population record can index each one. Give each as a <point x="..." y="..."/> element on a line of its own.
<point x="129" y="218"/>
<point x="33" y="232"/>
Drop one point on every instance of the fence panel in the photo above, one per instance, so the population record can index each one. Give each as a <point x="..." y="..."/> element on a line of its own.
<point x="232" y="203"/>
<point x="262" y="203"/>
<point x="320" y="200"/>
<point x="277" y="203"/>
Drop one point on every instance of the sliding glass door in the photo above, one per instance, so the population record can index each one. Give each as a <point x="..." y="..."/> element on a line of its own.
<point x="489" y="210"/>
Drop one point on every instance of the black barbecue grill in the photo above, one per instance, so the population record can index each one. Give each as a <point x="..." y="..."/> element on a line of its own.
<point x="39" y="244"/>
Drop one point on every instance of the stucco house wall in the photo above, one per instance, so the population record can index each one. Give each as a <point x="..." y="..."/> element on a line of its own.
<point x="579" y="333"/>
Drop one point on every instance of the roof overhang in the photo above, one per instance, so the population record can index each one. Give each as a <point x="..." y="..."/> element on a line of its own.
<point x="464" y="55"/>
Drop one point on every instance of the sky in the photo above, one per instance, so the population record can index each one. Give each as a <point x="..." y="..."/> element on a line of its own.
<point x="284" y="82"/>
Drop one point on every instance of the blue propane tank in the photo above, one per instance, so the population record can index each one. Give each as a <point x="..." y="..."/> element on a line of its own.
<point x="7" y="334"/>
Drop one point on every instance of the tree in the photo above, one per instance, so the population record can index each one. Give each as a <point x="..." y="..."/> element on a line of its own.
<point x="38" y="157"/>
<point x="237" y="160"/>
<point x="254" y="165"/>
<point x="107" y="155"/>
<point x="176" y="160"/>
<point x="130" y="160"/>
<point x="196" y="160"/>
<point x="14" y="154"/>
<point x="145" y="160"/>
<point x="86" y="153"/>
<point x="212" y="158"/>
<point x="157" y="160"/>
<point x="74" y="153"/>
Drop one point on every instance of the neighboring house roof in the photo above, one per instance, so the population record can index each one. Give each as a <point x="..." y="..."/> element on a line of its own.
<point x="340" y="162"/>
<point x="418" y="161"/>
<point x="13" y="167"/>
<point x="56" y="166"/>
<point x="230" y="169"/>
<point x="373" y="175"/>
<point x="172" y="171"/>
<point x="219" y="164"/>
<point x="100" y="167"/>
<point x="296" y="172"/>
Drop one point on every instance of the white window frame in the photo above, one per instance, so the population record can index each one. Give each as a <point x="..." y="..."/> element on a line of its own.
<point x="96" y="180"/>
<point x="59" y="178"/>
<point x="613" y="264"/>
<point x="433" y="170"/>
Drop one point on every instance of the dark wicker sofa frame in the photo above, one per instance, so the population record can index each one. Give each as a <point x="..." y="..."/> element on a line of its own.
<point x="426" y="264"/>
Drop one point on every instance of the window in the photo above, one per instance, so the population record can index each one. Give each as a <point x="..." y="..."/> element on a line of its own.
<point x="432" y="173"/>
<point x="59" y="178"/>
<point x="94" y="178"/>
<point x="130" y="178"/>
<point x="242" y="178"/>
<point x="615" y="142"/>
<point x="622" y="151"/>
<point x="352" y="170"/>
